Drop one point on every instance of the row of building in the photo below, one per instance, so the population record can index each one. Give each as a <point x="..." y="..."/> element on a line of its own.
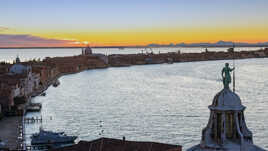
<point x="22" y="80"/>
<point x="151" y="58"/>
<point x="17" y="83"/>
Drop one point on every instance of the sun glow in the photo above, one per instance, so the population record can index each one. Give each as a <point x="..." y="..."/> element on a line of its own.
<point x="85" y="42"/>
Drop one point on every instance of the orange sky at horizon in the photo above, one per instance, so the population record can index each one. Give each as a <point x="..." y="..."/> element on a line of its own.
<point x="145" y="36"/>
<point x="158" y="36"/>
<point x="130" y="23"/>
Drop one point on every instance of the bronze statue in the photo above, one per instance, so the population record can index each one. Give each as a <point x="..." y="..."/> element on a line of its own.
<point x="226" y="76"/>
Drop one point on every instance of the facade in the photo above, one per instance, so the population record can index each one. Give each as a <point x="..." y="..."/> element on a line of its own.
<point x="17" y="85"/>
<point x="226" y="129"/>
<point x="1" y="111"/>
<point x="29" y="81"/>
<point x="87" y="51"/>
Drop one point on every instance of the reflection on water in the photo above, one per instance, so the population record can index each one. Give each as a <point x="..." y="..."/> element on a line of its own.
<point x="165" y="103"/>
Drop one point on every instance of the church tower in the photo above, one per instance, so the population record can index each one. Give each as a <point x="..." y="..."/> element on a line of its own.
<point x="226" y="129"/>
<point x="17" y="59"/>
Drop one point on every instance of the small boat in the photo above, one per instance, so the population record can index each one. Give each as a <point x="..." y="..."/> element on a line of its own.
<point x="230" y="50"/>
<point x="169" y="60"/>
<point x="56" y="83"/>
<point x="2" y="145"/>
<point x="49" y="137"/>
<point x="43" y="94"/>
<point x="34" y="107"/>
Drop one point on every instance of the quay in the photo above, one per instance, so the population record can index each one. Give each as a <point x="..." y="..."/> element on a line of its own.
<point x="9" y="131"/>
<point x="33" y="120"/>
<point x="34" y="107"/>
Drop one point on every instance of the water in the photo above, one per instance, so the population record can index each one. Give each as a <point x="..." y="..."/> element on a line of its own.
<point x="164" y="103"/>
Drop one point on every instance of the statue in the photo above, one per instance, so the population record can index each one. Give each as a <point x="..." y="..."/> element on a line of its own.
<point x="226" y="76"/>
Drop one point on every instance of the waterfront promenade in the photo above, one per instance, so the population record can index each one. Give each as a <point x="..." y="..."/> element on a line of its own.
<point x="9" y="131"/>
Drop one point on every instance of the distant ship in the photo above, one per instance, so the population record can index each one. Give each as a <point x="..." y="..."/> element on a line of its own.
<point x="49" y="137"/>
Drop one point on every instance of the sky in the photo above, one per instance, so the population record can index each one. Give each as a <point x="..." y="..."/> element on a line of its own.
<point x="33" y="23"/>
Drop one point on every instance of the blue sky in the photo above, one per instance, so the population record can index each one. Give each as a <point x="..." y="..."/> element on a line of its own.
<point x="107" y="14"/>
<point x="75" y="16"/>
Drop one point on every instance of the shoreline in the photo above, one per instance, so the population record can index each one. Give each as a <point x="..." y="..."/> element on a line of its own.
<point x="153" y="64"/>
<point x="120" y="47"/>
<point x="71" y="65"/>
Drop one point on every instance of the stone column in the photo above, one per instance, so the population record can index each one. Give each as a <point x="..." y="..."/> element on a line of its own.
<point x="223" y="133"/>
<point x="215" y="126"/>
<point x="238" y="129"/>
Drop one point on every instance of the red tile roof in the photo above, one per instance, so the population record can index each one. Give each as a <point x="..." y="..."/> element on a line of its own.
<point x="109" y="144"/>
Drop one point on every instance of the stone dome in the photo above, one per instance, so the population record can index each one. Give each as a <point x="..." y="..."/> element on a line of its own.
<point x="88" y="50"/>
<point x="19" y="69"/>
<point x="226" y="100"/>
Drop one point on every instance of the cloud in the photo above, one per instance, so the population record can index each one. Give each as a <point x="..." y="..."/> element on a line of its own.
<point x="3" y="28"/>
<point x="25" y="40"/>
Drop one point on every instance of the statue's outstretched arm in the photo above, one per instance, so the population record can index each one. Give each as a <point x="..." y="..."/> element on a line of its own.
<point x="222" y="71"/>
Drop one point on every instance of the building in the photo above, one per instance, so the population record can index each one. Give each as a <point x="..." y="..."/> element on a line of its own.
<point x="109" y="144"/>
<point x="226" y="129"/>
<point x="87" y="51"/>
<point x="16" y="86"/>
<point x="29" y="80"/>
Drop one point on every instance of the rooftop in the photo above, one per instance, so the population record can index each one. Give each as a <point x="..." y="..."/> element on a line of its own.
<point x="226" y="100"/>
<point x="109" y="144"/>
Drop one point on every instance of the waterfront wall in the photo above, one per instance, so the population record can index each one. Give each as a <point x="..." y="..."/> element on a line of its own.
<point x="151" y="58"/>
<point x="16" y="89"/>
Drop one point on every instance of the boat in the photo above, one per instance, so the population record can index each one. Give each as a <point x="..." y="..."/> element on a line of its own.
<point x="43" y="94"/>
<point x="34" y="107"/>
<point x="56" y="83"/>
<point x="230" y="50"/>
<point x="49" y="137"/>
<point x="169" y="60"/>
<point x="2" y="145"/>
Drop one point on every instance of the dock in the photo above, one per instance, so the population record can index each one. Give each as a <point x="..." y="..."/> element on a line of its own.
<point x="33" y="120"/>
<point x="34" y="107"/>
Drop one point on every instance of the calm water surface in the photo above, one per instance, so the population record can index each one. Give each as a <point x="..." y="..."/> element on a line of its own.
<point x="164" y="103"/>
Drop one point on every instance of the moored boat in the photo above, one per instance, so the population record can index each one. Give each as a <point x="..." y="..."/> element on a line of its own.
<point x="49" y="137"/>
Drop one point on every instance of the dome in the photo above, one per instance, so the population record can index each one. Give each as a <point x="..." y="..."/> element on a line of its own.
<point x="226" y="100"/>
<point x="88" y="50"/>
<point x="18" y="69"/>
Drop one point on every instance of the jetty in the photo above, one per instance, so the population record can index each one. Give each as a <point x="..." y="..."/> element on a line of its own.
<point x="34" y="107"/>
<point x="33" y="120"/>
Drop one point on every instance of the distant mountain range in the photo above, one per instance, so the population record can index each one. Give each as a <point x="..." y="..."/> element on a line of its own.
<point x="217" y="44"/>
